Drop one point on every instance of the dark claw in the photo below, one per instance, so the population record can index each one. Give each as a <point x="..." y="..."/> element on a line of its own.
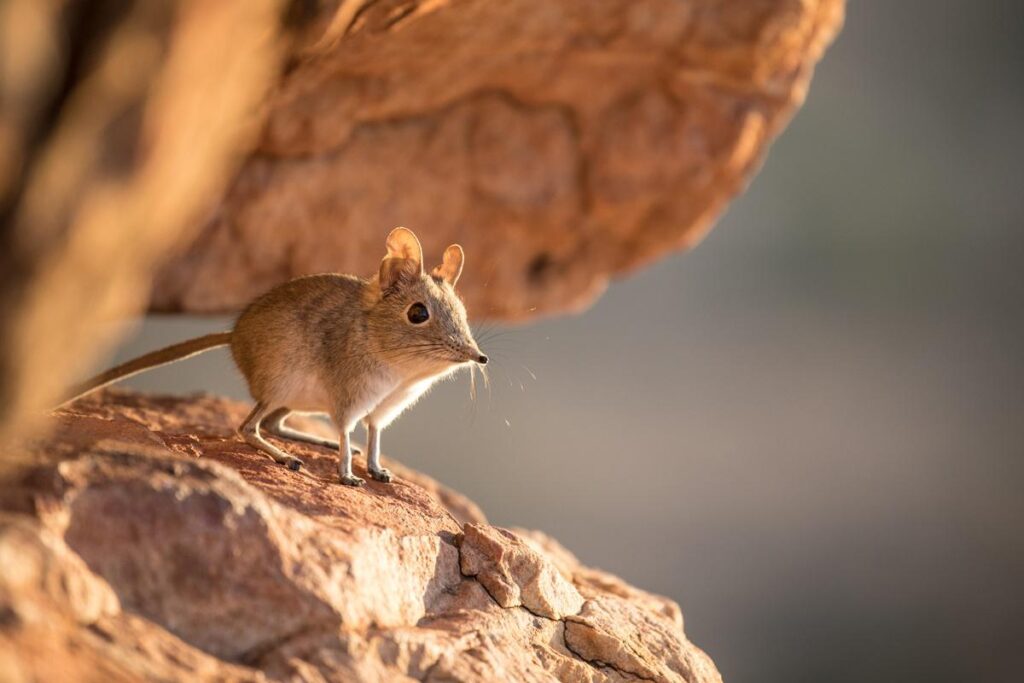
<point x="294" y="464"/>
<point x="382" y="475"/>
<point x="352" y="480"/>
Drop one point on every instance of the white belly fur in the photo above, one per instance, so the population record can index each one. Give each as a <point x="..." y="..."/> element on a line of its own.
<point x="384" y="396"/>
<point x="303" y="391"/>
<point x="373" y="392"/>
<point x="403" y="396"/>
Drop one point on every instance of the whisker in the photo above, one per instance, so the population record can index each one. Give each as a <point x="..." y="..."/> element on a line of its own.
<point x="487" y="384"/>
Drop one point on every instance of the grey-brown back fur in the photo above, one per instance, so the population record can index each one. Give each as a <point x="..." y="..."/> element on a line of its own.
<point x="351" y="335"/>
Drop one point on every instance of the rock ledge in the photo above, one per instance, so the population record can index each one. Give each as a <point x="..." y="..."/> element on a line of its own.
<point x="158" y="545"/>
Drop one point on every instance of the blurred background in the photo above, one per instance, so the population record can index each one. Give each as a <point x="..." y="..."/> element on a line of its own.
<point x="807" y="430"/>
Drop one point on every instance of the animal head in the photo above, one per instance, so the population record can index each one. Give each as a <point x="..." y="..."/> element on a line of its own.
<point x="419" y="319"/>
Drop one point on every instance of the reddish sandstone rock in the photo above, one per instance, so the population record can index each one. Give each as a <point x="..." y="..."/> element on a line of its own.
<point x="158" y="545"/>
<point x="560" y="143"/>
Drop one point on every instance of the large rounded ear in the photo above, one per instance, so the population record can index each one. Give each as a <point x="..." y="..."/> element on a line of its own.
<point x="401" y="243"/>
<point x="451" y="265"/>
<point x="404" y="259"/>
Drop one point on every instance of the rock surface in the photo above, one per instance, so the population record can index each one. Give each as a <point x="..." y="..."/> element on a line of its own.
<point x="560" y="143"/>
<point x="156" y="544"/>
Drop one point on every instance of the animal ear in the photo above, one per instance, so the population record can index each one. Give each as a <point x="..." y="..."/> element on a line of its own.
<point x="404" y="259"/>
<point x="401" y="243"/>
<point x="451" y="265"/>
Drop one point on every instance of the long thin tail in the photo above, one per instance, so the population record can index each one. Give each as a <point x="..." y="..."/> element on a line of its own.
<point x="153" y="359"/>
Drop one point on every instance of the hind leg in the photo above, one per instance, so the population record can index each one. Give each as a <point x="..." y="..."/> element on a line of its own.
<point x="274" y="424"/>
<point x="250" y="431"/>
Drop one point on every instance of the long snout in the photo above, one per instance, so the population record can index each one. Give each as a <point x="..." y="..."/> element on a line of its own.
<point x="472" y="354"/>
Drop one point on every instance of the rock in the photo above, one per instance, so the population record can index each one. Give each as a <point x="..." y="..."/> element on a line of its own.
<point x="593" y="582"/>
<point x="153" y="543"/>
<point x="561" y="144"/>
<point x="515" y="574"/>
<point x="120" y="123"/>
<point x="629" y="639"/>
<point x="61" y="622"/>
<point x="42" y="565"/>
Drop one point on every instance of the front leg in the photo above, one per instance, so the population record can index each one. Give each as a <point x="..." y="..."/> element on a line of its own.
<point x="345" y="460"/>
<point x="382" y="415"/>
<point x="373" y="455"/>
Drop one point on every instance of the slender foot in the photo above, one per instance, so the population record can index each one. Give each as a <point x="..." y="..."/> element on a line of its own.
<point x="352" y="480"/>
<point x="276" y="454"/>
<point x="382" y="475"/>
<point x="250" y="431"/>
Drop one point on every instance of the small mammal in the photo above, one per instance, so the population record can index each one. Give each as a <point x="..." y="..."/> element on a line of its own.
<point x="354" y="349"/>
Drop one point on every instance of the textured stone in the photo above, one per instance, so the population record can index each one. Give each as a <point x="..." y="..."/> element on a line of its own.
<point x="560" y="143"/>
<point x="158" y="545"/>
<point x="61" y="622"/>
<point x="630" y="639"/>
<point x="515" y="574"/>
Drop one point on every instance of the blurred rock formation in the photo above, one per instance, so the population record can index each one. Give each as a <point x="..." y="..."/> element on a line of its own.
<point x="119" y="122"/>
<point x="560" y="143"/>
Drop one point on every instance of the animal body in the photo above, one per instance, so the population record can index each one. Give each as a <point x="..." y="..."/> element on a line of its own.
<point x="355" y="349"/>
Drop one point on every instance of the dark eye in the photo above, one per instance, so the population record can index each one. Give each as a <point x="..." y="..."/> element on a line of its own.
<point x="418" y="314"/>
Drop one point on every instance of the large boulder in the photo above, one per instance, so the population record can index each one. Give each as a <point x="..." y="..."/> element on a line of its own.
<point x="560" y="143"/>
<point x="152" y="542"/>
